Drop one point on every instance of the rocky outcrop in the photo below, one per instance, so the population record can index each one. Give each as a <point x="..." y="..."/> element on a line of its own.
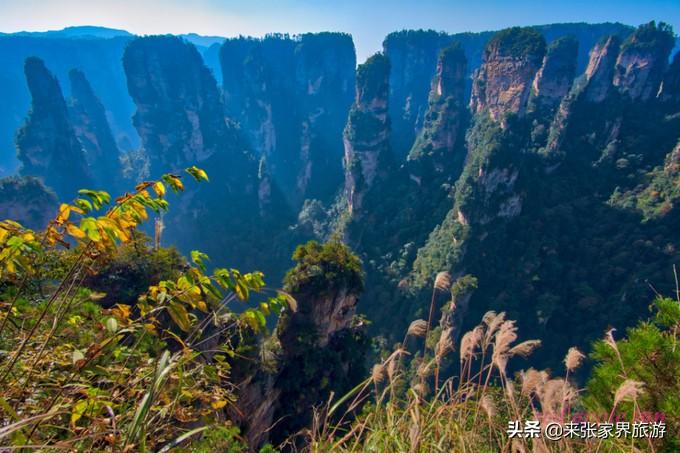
<point x="47" y="145"/>
<point x="26" y="200"/>
<point x="413" y="58"/>
<point x="325" y="74"/>
<point x="179" y="115"/>
<point x="642" y="61"/>
<point x="91" y="127"/>
<point x="600" y="70"/>
<point x="554" y="79"/>
<point x="442" y="129"/>
<point x="291" y="96"/>
<point x="366" y="136"/>
<point x="315" y="342"/>
<point x="503" y="83"/>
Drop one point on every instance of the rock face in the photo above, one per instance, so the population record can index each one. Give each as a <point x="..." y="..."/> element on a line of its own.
<point x="91" y="127"/>
<point x="442" y="128"/>
<point x="600" y="70"/>
<point x="26" y="200"/>
<point x="180" y="119"/>
<point x="366" y="136"/>
<point x="554" y="79"/>
<point x="413" y="58"/>
<point x="642" y="61"/>
<point x="179" y="114"/>
<point x="503" y="82"/>
<point x="291" y="97"/>
<point x="47" y="145"/>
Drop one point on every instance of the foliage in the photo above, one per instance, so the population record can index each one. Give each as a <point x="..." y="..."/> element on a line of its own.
<point x="519" y="42"/>
<point x="79" y="376"/>
<point x="328" y="266"/>
<point x="372" y="78"/>
<point x="133" y="268"/>
<point x="648" y="354"/>
<point x="650" y="36"/>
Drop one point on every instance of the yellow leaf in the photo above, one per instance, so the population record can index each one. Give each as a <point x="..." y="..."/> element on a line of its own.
<point x="97" y="296"/>
<point x="64" y="212"/>
<point x="75" y="231"/>
<point x="159" y="188"/>
<point x="218" y="404"/>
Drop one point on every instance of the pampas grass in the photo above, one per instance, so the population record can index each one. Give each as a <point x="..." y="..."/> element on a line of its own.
<point x="573" y="359"/>
<point x="418" y="328"/>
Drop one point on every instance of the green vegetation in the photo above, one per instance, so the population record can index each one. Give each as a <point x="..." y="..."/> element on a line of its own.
<point x="519" y="42"/>
<point x="372" y="78"/>
<point x="650" y="36"/>
<point x="324" y="267"/>
<point x="129" y="377"/>
<point x="648" y="355"/>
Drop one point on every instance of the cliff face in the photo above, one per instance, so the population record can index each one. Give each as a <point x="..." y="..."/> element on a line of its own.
<point x="180" y="119"/>
<point x="413" y="60"/>
<point x="179" y="114"/>
<point x="47" y="145"/>
<point x="291" y="97"/>
<point x="99" y="58"/>
<point x="366" y="136"/>
<point x="442" y="130"/>
<point x="91" y="127"/>
<point x="503" y="82"/>
<point x="413" y="57"/>
<point x="642" y="61"/>
<point x="600" y="70"/>
<point x="554" y="79"/>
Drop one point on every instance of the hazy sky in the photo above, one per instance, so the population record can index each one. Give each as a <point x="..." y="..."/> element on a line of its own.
<point x="368" y="21"/>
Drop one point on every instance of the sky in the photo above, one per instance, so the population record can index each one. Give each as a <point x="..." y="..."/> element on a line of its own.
<point x="369" y="21"/>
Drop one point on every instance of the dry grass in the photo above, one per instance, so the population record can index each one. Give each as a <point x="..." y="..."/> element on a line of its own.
<point x="469" y="412"/>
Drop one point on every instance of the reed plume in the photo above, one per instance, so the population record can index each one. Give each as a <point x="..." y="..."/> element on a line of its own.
<point x="573" y="359"/>
<point x="417" y="328"/>
<point x="525" y="348"/>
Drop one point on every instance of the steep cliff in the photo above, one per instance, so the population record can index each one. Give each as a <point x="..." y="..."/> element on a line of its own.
<point x="291" y="96"/>
<point x="366" y="136"/>
<point x="642" y="61"/>
<point x="413" y="56"/>
<point x="98" y="57"/>
<point x="317" y="347"/>
<point x="600" y="70"/>
<point x="180" y="119"/>
<point x="179" y="113"/>
<point x="47" y="145"/>
<point x="553" y="81"/>
<point x="503" y="83"/>
<point x="443" y="126"/>
<point x="602" y="204"/>
<point x="88" y="117"/>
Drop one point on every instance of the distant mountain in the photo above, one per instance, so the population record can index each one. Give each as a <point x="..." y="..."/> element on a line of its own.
<point x="81" y="31"/>
<point x="205" y="41"/>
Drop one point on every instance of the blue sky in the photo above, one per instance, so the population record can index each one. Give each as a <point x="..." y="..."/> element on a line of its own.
<point x="368" y="21"/>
